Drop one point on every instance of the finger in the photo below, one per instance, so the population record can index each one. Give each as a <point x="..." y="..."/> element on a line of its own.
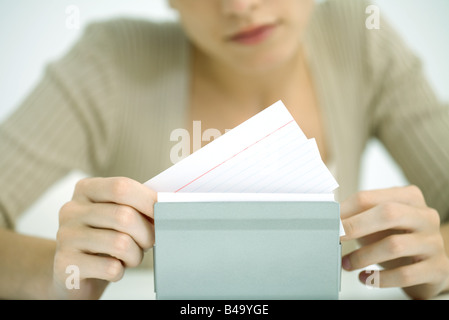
<point x="124" y="219"/>
<point x="404" y="276"/>
<point x="364" y="200"/>
<point x="109" y="216"/>
<point x="384" y="217"/>
<point x="119" y="190"/>
<point x="110" y="243"/>
<point x="90" y="266"/>
<point x="387" y="249"/>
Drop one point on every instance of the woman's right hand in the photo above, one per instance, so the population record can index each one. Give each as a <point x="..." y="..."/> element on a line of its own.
<point x="105" y="228"/>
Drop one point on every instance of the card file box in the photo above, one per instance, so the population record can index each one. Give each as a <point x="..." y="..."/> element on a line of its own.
<point x="247" y="250"/>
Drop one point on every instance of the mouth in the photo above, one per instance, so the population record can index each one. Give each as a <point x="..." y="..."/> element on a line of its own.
<point x="253" y="35"/>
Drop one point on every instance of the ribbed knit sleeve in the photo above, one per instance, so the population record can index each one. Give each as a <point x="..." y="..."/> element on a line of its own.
<point x="407" y="116"/>
<point x="60" y="126"/>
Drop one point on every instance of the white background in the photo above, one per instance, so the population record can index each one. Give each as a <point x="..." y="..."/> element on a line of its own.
<point x="32" y="33"/>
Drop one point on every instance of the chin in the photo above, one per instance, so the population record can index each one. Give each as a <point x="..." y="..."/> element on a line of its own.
<point x="266" y="57"/>
<point x="264" y="62"/>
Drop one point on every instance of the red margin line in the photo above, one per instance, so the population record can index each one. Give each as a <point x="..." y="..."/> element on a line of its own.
<point x="234" y="156"/>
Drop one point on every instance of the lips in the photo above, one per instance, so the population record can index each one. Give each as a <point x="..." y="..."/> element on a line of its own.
<point x="253" y="35"/>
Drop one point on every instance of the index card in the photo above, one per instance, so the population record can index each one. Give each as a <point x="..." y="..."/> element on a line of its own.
<point x="241" y="197"/>
<point x="268" y="153"/>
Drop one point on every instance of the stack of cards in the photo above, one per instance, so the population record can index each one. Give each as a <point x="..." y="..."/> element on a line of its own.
<point x="268" y="153"/>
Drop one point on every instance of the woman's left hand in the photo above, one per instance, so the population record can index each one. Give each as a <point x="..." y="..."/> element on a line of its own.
<point x="397" y="230"/>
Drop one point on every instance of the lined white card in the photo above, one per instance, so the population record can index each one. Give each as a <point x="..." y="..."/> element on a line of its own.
<point x="242" y="197"/>
<point x="268" y="153"/>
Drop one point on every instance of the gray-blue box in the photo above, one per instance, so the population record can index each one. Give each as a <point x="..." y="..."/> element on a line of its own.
<point x="247" y="250"/>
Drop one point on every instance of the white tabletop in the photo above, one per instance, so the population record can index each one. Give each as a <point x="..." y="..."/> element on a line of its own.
<point x="137" y="284"/>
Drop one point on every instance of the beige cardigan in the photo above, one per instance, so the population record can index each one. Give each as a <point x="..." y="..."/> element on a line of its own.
<point x="108" y="107"/>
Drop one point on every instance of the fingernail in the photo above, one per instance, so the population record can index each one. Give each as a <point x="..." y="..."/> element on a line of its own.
<point x="346" y="263"/>
<point x="363" y="276"/>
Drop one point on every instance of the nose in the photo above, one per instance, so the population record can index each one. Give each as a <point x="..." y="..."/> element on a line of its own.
<point x="239" y="7"/>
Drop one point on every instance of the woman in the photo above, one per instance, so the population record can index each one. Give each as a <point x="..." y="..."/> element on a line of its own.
<point x="109" y="105"/>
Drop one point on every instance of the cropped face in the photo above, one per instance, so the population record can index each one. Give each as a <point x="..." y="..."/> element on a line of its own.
<point x="248" y="35"/>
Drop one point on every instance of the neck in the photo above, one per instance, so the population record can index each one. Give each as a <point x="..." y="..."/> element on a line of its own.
<point x="261" y="88"/>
